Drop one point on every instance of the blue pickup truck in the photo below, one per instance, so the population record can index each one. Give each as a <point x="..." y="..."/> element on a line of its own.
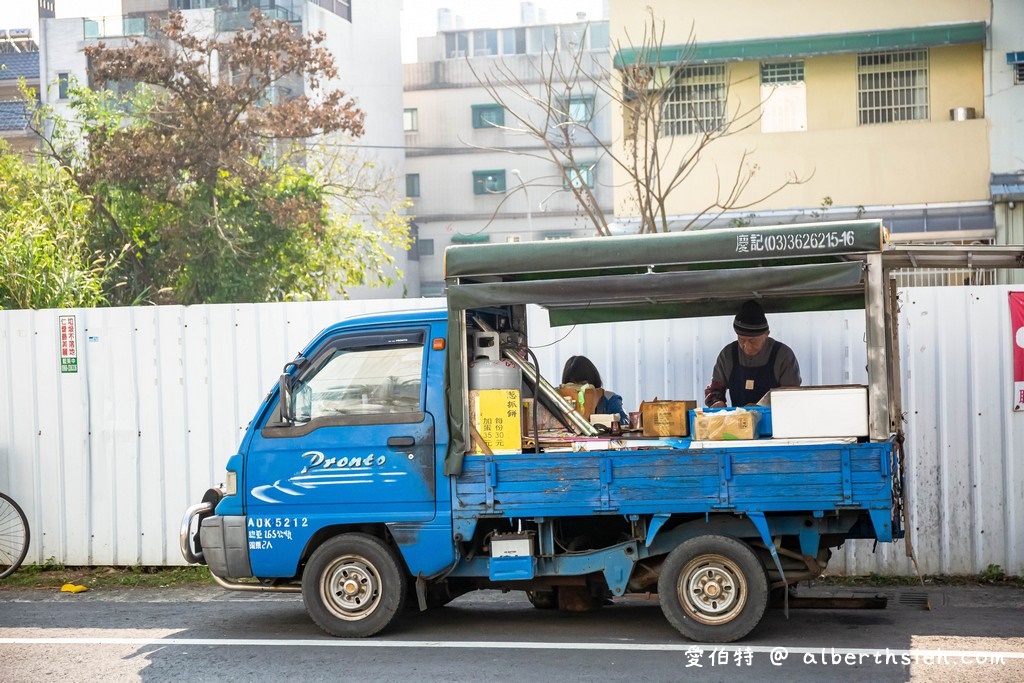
<point x="365" y="480"/>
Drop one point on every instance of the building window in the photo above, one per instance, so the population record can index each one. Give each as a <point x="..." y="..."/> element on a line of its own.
<point x="412" y="184"/>
<point x="695" y="102"/>
<point x="485" y="43"/>
<point x="63" y="83"/>
<point x="426" y="247"/>
<point x="579" y="109"/>
<point x="578" y="176"/>
<point x="892" y="86"/>
<point x="411" y="120"/>
<point x="456" y="44"/>
<point x="488" y="182"/>
<point x="1016" y="62"/>
<point x="513" y="41"/>
<point x="783" y="97"/>
<point x="488" y="115"/>
<point x="542" y="39"/>
<point x="343" y="8"/>
<point x="599" y="35"/>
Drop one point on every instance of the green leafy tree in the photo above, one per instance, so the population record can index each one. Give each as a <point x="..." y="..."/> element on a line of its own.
<point x="207" y="171"/>
<point x="45" y="261"/>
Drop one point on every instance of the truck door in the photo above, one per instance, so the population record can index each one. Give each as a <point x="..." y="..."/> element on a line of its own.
<point x="362" y="446"/>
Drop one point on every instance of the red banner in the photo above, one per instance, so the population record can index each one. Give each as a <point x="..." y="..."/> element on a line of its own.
<point x="1017" y="325"/>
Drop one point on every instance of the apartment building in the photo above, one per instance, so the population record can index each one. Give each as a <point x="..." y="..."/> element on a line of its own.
<point x="472" y="174"/>
<point x="1004" y="109"/>
<point x="19" y="60"/>
<point x="879" y="108"/>
<point x="354" y="29"/>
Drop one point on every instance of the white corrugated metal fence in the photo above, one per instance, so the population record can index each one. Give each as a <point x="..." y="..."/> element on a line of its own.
<point x="105" y="460"/>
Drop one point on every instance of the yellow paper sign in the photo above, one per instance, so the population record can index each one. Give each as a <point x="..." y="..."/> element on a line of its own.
<point x="496" y="416"/>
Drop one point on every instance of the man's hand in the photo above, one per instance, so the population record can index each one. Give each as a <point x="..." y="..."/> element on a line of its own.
<point x="714" y="395"/>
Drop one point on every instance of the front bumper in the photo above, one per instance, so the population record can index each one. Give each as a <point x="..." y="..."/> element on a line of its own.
<point x="225" y="546"/>
<point x="220" y="541"/>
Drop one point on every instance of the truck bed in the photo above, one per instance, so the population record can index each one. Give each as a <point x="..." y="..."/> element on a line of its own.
<point x="757" y="476"/>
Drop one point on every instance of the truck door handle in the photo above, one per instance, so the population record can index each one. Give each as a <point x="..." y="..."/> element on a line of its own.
<point x="401" y="441"/>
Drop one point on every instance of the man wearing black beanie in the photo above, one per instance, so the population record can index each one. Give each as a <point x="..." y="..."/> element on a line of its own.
<point x="753" y="364"/>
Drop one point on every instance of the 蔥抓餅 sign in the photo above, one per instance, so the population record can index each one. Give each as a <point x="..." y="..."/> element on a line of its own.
<point x="1017" y="325"/>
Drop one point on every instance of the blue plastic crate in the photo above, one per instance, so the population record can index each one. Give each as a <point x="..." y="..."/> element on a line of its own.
<point x="763" y="427"/>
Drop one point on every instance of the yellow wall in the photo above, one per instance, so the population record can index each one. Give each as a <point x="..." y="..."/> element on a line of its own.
<point x="957" y="80"/>
<point x="725" y="20"/>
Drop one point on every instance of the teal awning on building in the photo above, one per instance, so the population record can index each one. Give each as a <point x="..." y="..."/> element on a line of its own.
<point x="477" y="238"/>
<point x="809" y="46"/>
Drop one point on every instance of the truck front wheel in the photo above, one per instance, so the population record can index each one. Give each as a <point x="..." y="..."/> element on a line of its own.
<point x="713" y="589"/>
<point x="353" y="586"/>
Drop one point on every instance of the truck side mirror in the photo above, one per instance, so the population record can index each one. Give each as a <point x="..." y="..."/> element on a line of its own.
<point x="286" y="406"/>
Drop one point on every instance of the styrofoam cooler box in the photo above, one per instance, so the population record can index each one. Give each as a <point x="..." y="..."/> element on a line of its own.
<point x="799" y="412"/>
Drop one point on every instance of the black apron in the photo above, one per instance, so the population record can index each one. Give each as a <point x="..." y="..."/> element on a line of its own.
<point x="749" y="385"/>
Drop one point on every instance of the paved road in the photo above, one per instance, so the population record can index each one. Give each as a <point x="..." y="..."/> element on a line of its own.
<point x="970" y="634"/>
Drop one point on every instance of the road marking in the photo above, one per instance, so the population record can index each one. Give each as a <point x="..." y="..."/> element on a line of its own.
<point x="499" y="645"/>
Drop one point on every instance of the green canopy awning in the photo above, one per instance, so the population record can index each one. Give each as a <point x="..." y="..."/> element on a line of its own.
<point x="639" y="277"/>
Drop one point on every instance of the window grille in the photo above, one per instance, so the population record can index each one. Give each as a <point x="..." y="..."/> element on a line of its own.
<point x="782" y="72"/>
<point x="892" y="86"/>
<point x="783" y="97"/>
<point x="1018" y="73"/>
<point x="695" y="102"/>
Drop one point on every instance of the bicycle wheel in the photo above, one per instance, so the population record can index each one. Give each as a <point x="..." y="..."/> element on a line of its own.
<point x="13" y="536"/>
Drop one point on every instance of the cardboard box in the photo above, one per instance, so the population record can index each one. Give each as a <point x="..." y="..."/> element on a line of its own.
<point x="808" y="412"/>
<point x="546" y="420"/>
<point x="496" y="416"/>
<point x="734" y="424"/>
<point x="666" y="418"/>
<point x="590" y="397"/>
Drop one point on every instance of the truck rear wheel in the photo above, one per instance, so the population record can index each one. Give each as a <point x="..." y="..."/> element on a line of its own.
<point x="713" y="589"/>
<point x="353" y="586"/>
